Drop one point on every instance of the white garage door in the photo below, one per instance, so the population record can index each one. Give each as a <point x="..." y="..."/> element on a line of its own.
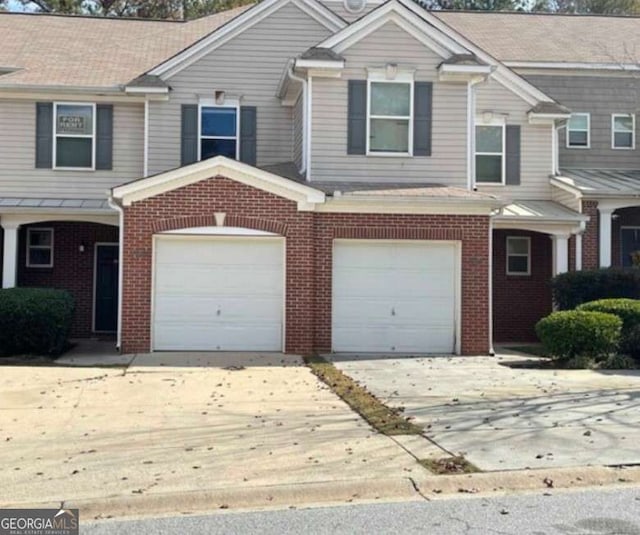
<point x="394" y="296"/>
<point x="218" y="293"/>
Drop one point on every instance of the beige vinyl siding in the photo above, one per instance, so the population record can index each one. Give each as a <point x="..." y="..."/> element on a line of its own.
<point x="20" y="178"/>
<point x="600" y="96"/>
<point x="249" y="66"/>
<point x="565" y="198"/>
<point x="298" y="127"/>
<point x="536" y="156"/>
<point x="389" y="44"/>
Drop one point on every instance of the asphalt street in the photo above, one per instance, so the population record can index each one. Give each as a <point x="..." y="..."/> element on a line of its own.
<point x="592" y="512"/>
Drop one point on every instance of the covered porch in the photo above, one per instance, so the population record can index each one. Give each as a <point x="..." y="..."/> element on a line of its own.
<point x="65" y="244"/>
<point x="532" y="242"/>
<point x="612" y="199"/>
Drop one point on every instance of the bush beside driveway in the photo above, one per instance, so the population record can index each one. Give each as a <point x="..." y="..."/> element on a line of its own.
<point x="502" y="418"/>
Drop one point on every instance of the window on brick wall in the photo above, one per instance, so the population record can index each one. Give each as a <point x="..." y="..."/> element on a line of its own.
<point x="518" y="255"/>
<point x="40" y="247"/>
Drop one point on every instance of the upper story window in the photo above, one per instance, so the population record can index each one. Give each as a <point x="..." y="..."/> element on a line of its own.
<point x="579" y="131"/>
<point x="40" y="247"/>
<point x="623" y="131"/>
<point x="490" y="158"/>
<point x="390" y="115"/>
<point x="74" y="136"/>
<point x="219" y="129"/>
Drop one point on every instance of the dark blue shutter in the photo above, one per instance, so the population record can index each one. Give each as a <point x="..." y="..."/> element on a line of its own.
<point x="422" y="112"/>
<point x="104" y="136"/>
<point x="357" y="117"/>
<point x="248" y="134"/>
<point x="189" y="134"/>
<point x="512" y="155"/>
<point x="44" y="135"/>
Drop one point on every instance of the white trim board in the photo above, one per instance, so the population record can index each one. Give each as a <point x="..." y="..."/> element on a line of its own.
<point x="235" y="27"/>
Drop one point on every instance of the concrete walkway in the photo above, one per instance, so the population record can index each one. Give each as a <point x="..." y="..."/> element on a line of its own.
<point x="503" y="418"/>
<point x="186" y="423"/>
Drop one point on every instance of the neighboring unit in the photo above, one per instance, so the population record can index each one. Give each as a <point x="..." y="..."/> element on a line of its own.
<point x="315" y="175"/>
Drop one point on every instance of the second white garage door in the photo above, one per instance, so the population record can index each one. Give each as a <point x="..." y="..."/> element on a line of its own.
<point x="218" y="293"/>
<point x="394" y="296"/>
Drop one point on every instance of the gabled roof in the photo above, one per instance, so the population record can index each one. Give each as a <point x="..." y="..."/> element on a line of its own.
<point x="92" y="52"/>
<point x="539" y="37"/>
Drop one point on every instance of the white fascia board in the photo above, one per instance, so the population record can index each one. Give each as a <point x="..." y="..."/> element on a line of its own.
<point x="146" y="90"/>
<point x="366" y="204"/>
<point x="572" y="65"/>
<point x="398" y="12"/>
<point x="319" y="64"/>
<point x="561" y="183"/>
<point x="547" y="118"/>
<point x="547" y="227"/>
<point x="218" y="166"/>
<point x="241" y="23"/>
<point x="465" y="69"/>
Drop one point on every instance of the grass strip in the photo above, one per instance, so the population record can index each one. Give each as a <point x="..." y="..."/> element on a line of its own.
<point x="449" y="465"/>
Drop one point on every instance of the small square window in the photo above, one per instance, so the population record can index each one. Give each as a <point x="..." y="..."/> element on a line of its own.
<point x="623" y="134"/>
<point x="40" y="247"/>
<point x="579" y="131"/>
<point x="518" y="255"/>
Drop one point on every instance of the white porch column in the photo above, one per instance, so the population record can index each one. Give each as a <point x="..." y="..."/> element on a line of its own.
<point x="560" y="253"/>
<point x="605" y="236"/>
<point x="10" y="256"/>
<point x="579" y="251"/>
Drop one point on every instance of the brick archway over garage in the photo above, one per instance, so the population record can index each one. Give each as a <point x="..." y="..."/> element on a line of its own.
<point x="309" y="239"/>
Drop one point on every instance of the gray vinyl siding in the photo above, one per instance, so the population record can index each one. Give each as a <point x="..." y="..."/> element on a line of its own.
<point x="389" y="44"/>
<point x="565" y="198"/>
<point x="250" y="66"/>
<point x="20" y="178"/>
<point x="600" y="96"/>
<point x="298" y="127"/>
<point x="536" y="142"/>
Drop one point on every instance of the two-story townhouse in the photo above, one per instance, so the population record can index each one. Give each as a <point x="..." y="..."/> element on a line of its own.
<point x="303" y="176"/>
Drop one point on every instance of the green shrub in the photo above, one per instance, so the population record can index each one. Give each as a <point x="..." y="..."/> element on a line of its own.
<point x="632" y="342"/>
<point x="34" y="321"/>
<point x="577" y="287"/>
<point x="618" y="362"/>
<point x="574" y="333"/>
<point x="579" y="362"/>
<point x="628" y="310"/>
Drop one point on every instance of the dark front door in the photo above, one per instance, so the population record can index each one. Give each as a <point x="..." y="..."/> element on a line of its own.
<point x="630" y="244"/>
<point x="106" y="312"/>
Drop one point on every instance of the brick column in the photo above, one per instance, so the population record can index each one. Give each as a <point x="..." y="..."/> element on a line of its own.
<point x="590" y="248"/>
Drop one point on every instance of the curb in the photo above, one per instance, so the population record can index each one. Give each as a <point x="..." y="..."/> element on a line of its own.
<point x="325" y="493"/>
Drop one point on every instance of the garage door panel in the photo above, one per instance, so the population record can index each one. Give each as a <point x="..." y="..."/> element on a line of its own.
<point x="214" y="293"/>
<point x="394" y="296"/>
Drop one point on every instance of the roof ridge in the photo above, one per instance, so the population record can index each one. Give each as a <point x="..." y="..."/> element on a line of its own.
<point x="532" y="13"/>
<point x="99" y="17"/>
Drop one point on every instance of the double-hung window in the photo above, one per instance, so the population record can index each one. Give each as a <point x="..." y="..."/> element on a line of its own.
<point x="579" y="131"/>
<point x="390" y="115"/>
<point x="74" y="135"/>
<point x="40" y="247"/>
<point x="518" y="255"/>
<point x="219" y="130"/>
<point x="490" y="157"/>
<point x="623" y="131"/>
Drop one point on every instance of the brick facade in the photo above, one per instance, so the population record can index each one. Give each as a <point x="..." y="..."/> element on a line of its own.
<point x="309" y="238"/>
<point x="72" y="270"/>
<point x="520" y="301"/>
<point x="590" y="239"/>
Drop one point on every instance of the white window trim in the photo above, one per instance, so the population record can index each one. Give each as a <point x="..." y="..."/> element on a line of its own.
<point x="379" y="76"/>
<point x="491" y="122"/>
<point x="528" y="255"/>
<point x="83" y="136"/>
<point x="211" y="103"/>
<point x="588" y="130"/>
<point x="29" y="247"/>
<point x="633" y="130"/>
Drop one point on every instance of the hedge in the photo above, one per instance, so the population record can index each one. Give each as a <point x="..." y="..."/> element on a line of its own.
<point x="628" y="310"/>
<point x="576" y="333"/>
<point x="35" y="321"/>
<point x="577" y="287"/>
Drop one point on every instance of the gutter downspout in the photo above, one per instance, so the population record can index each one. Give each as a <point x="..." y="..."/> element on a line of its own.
<point x="146" y="139"/>
<point x="305" y="117"/>
<point x="471" y="131"/>
<point x="113" y="204"/>
<point x="492" y="351"/>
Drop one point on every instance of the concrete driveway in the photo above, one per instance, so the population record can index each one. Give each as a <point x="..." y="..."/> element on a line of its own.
<point x="502" y="418"/>
<point x="179" y="423"/>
